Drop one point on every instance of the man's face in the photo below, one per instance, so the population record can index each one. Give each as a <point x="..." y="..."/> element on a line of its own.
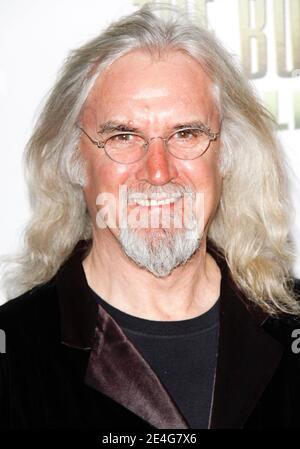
<point x="153" y="96"/>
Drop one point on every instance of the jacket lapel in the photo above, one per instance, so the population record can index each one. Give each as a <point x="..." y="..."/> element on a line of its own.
<point x="247" y="355"/>
<point x="117" y="370"/>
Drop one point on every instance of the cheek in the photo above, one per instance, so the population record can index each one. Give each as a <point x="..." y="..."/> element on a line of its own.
<point x="212" y="192"/>
<point x="204" y="174"/>
<point x="103" y="175"/>
<point x="207" y="182"/>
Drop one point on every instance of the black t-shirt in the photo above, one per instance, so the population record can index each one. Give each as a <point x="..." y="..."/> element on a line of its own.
<point x="182" y="353"/>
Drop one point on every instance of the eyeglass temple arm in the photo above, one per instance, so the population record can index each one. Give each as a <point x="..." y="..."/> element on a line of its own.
<point x="213" y="136"/>
<point x="95" y="142"/>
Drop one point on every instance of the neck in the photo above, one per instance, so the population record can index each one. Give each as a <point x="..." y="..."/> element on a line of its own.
<point x="189" y="291"/>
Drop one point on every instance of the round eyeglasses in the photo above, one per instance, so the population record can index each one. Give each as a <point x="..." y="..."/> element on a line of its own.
<point x="128" y="147"/>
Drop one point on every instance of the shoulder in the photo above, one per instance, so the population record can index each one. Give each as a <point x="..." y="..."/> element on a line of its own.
<point x="31" y="328"/>
<point x="285" y="327"/>
<point x="31" y="314"/>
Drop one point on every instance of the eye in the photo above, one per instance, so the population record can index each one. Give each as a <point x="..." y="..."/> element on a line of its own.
<point x="187" y="134"/>
<point x="124" y="141"/>
<point x="122" y="138"/>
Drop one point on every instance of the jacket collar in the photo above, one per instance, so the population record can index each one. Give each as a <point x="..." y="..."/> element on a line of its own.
<point x="78" y="310"/>
<point x="247" y="355"/>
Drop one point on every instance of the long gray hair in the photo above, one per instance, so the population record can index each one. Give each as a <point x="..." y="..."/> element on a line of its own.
<point x="251" y="227"/>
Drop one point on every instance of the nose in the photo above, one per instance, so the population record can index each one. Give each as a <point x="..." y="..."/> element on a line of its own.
<point x="157" y="168"/>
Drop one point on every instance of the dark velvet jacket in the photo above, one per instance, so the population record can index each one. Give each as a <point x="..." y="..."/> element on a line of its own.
<point x="69" y="365"/>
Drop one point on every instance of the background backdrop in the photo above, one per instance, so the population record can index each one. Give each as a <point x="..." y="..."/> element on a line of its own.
<point x="36" y="36"/>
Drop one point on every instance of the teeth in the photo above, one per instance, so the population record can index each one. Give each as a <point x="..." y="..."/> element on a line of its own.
<point x="156" y="202"/>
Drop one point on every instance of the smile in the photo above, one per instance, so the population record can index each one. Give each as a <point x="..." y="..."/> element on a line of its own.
<point x="151" y="202"/>
<point x="154" y="200"/>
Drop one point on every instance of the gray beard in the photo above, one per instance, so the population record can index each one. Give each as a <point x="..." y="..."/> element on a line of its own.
<point x="160" y="250"/>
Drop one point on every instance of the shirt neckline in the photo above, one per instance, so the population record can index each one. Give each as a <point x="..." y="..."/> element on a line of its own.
<point x="200" y="323"/>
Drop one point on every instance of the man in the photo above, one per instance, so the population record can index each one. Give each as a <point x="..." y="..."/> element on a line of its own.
<point x="156" y="281"/>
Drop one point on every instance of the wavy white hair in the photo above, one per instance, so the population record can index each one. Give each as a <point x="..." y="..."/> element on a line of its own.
<point x="252" y="224"/>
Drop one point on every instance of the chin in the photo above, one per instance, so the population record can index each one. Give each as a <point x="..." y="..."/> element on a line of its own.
<point x="161" y="250"/>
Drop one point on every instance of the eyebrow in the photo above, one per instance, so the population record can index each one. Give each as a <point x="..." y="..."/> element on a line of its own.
<point x="111" y="126"/>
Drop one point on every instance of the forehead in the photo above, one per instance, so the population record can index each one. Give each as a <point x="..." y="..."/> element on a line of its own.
<point x="138" y="84"/>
